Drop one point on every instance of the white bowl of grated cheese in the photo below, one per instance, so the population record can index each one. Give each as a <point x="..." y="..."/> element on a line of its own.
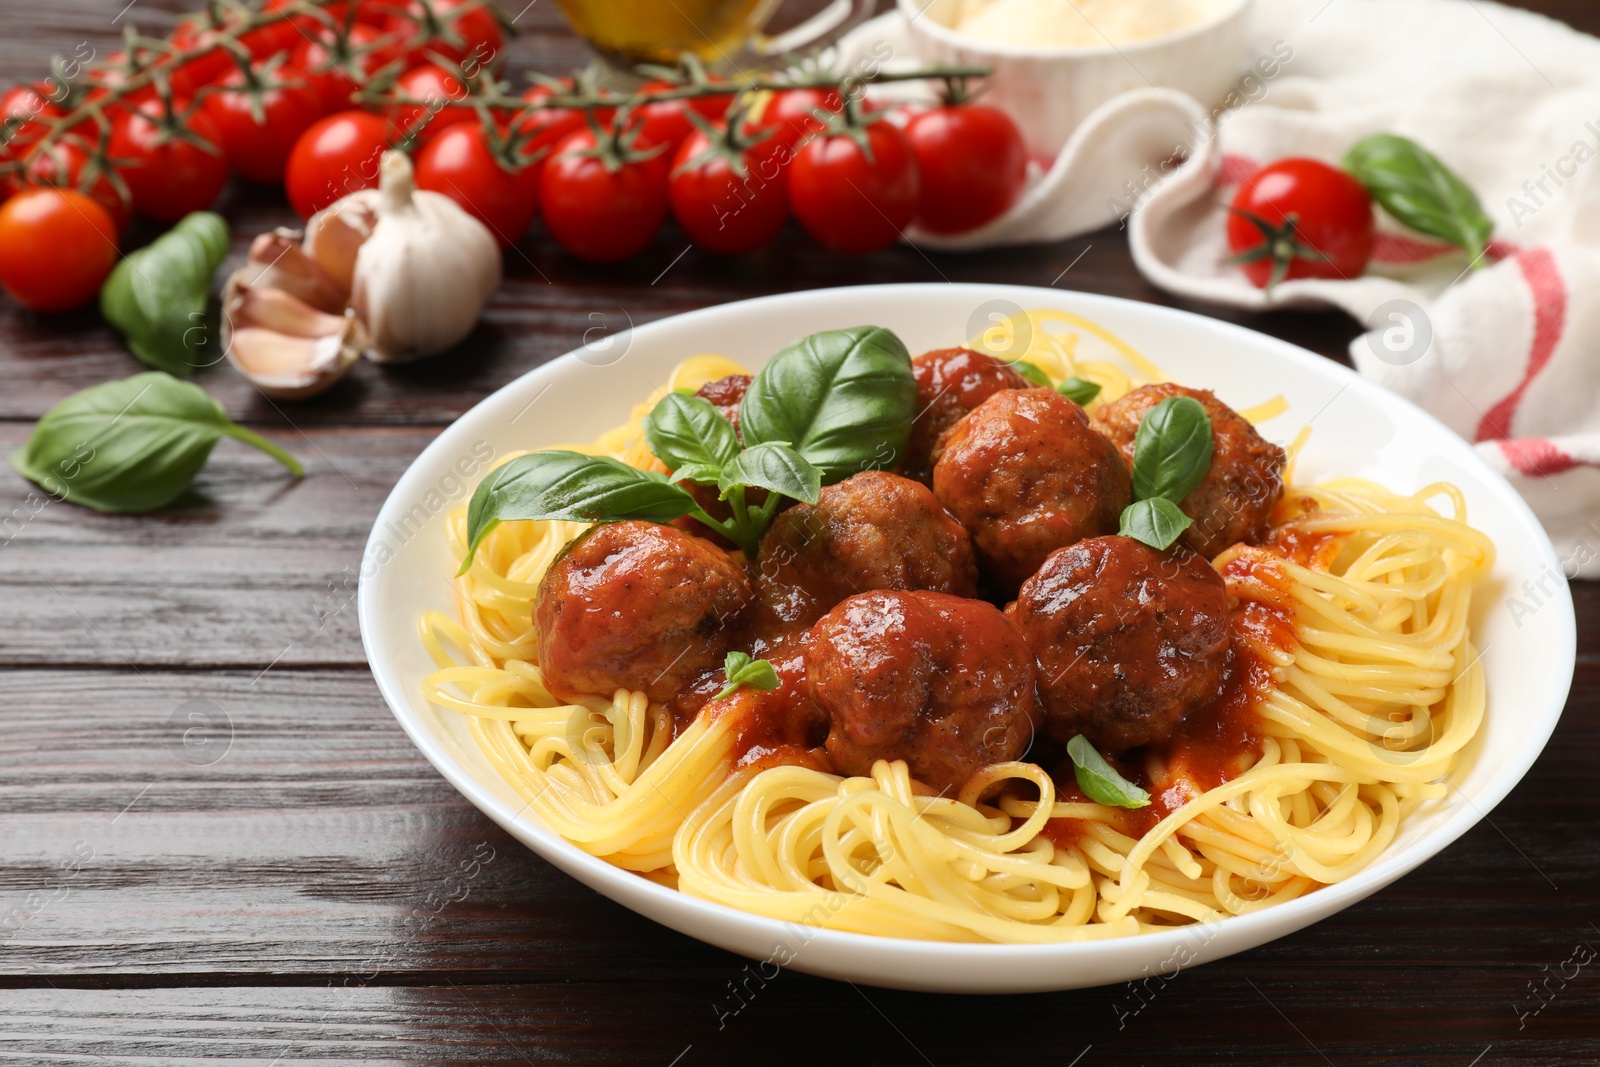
<point x="1055" y="61"/>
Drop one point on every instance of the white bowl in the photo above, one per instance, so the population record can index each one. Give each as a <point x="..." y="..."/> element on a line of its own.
<point x="1359" y="429"/>
<point x="1049" y="91"/>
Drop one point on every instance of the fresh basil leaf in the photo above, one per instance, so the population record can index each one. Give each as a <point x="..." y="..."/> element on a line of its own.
<point x="158" y="295"/>
<point x="1172" y="450"/>
<point x="845" y="399"/>
<point x="131" y="445"/>
<point x="1158" y="522"/>
<point x="1099" y="780"/>
<point x="1031" y="372"/>
<point x="699" y="473"/>
<point x="686" y="431"/>
<point x="1417" y="189"/>
<point x="555" y="484"/>
<point x="1078" y="390"/>
<point x="776" y="467"/>
<point x="742" y="671"/>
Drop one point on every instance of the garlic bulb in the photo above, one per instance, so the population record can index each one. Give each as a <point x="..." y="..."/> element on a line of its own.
<point x="284" y="346"/>
<point x="423" y="276"/>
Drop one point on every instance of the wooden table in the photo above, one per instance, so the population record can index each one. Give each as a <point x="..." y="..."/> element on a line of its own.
<point x="216" y="844"/>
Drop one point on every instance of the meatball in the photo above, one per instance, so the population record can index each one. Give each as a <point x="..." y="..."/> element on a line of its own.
<point x="950" y="383"/>
<point x="636" y="605"/>
<point x="726" y="394"/>
<point x="1129" y="640"/>
<point x="1026" y="475"/>
<point x="942" y="682"/>
<point x="1234" y="501"/>
<point x="871" y="531"/>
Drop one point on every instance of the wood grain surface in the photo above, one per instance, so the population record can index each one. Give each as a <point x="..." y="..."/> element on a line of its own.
<point x="294" y="884"/>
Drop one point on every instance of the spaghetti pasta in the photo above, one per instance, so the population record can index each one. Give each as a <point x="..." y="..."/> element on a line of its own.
<point x="1364" y="690"/>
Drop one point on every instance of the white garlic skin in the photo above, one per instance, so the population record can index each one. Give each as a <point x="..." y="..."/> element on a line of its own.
<point x="423" y="277"/>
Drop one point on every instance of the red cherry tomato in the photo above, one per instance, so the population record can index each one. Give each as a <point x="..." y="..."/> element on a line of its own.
<point x="542" y="128"/>
<point x="167" y="175"/>
<point x="848" y="201"/>
<point x="64" y="165"/>
<point x="793" y="113"/>
<point x="465" y="31"/>
<point x="337" y="155"/>
<point x="463" y="165"/>
<point x="204" y="34"/>
<point x="56" y="248"/>
<point x="443" y="92"/>
<point x="972" y="165"/>
<point x="25" y="103"/>
<point x="720" y="209"/>
<point x="667" y="121"/>
<point x="259" y="151"/>
<point x="334" y="75"/>
<point x="1300" y="218"/>
<point x="598" y="213"/>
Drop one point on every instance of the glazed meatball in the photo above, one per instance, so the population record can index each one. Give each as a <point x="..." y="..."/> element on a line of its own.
<point x="636" y="605"/>
<point x="1129" y="640"/>
<point x="871" y="531"/>
<point x="942" y="682"/>
<point x="950" y="383"/>
<point x="1026" y="475"/>
<point x="1234" y="501"/>
<point x="726" y="394"/>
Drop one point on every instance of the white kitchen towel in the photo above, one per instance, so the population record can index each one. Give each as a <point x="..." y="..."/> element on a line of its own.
<point x="1507" y="355"/>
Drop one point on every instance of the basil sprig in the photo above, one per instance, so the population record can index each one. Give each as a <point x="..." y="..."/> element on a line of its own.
<point x="743" y="671"/>
<point x="1078" y="390"/>
<point x="157" y="296"/>
<point x="1419" y="191"/>
<point x="131" y="445"/>
<point x="824" y="408"/>
<point x="1171" y="454"/>
<point x="1099" y="780"/>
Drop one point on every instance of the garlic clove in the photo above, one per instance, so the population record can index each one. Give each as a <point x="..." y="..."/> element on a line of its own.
<point x="423" y="277"/>
<point x="274" y="309"/>
<point x="278" y="262"/>
<point x="335" y="234"/>
<point x="294" y="368"/>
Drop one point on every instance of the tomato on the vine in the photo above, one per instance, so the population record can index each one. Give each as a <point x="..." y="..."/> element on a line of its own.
<point x="333" y="69"/>
<point x="444" y="94"/>
<point x="337" y="155"/>
<point x="204" y="34"/>
<point x="260" y="150"/>
<point x="486" y="175"/>
<point x="971" y="163"/>
<point x="25" y="105"/>
<point x="1300" y="218"/>
<point x="167" y="172"/>
<point x="464" y="31"/>
<point x="603" y="202"/>
<point x="542" y="128"/>
<point x="65" y="165"/>
<point x="793" y="113"/>
<point x="667" y="121"/>
<point x="56" y="248"/>
<point x="855" y="195"/>
<point x="728" y="192"/>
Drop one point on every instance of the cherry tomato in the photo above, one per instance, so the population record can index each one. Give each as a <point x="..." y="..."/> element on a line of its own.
<point x="27" y="104"/>
<point x="721" y="209"/>
<point x="1300" y="218"/>
<point x="463" y="165"/>
<point x="542" y="128"/>
<point x="203" y="33"/>
<point x="972" y="165"/>
<point x="423" y="122"/>
<point x="108" y="77"/>
<point x="848" y="201"/>
<point x="260" y="151"/>
<point x="56" y="248"/>
<point x="793" y="113"/>
<point x="466" y="31"/>
<point x="64" y="165"/>
<point x="596" y="212"/>
<point x="334" y="74"/>
<point x="667" y="121"/>
<point x="337" y="155"/>
<point x="167" y="175"/>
